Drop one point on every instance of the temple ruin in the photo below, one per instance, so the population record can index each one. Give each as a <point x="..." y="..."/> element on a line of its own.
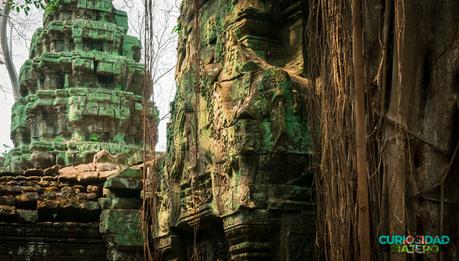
<point x="70" y="187"/>
<point x="237" y="176"/>
<point x="224" y="175"/>
<point x="261" y="146"/>
<point x="81" y="90"/>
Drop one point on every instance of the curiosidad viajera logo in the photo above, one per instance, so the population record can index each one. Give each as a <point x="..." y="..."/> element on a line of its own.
<point x="414" y="244"/>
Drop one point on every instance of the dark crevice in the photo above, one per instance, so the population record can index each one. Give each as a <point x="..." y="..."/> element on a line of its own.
<point x="105" y="79"/>
<point x="455" y="118"/>
<point x="417" y="155"/>
<point x="390" y="62"/>
<point x="426" y="82"/>
<point x="60" y="81"/>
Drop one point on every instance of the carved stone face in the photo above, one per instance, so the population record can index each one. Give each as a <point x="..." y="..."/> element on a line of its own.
<point x="242" y="142"/>
<point x="250" y="113"/>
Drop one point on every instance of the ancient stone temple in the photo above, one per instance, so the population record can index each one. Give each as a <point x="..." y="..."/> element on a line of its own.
<point x="236" y="180"/>
<point x="70" y="189"/>
<point x="81" y="90"/>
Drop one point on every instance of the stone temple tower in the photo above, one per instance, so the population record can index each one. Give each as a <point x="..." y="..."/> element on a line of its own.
<point x="81" y="90"/>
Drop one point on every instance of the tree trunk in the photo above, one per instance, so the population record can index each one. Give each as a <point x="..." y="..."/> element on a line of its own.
<point x="360" y="134"/>
<point x="7" y="51"/>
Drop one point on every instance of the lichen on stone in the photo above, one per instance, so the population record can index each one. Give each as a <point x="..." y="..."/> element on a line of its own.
<point x="81" y="90"/>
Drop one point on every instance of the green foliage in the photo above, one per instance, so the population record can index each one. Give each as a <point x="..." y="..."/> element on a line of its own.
<point x="119" y="138"/>
<point x="59" y="138"/>
<point x="7" y="148"/>
<point x="94" y="137"/>
<point x="25" y="5"/>
<point x="177" y="29"/>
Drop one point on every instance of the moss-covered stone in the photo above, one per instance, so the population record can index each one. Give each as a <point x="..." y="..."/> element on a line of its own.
<point x="117" y="183"/>
<point x="27" y="216"/>
<point x="127" y="241"/>
<point x="239" y="141"/>
<point x="120" y="221"/>
<point x="119" y="203"/>
<point x="81" y="90"/>
<point x="130" y="173"/>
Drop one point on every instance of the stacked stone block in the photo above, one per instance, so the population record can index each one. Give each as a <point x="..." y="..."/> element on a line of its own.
<point x="81" y="90"/>
<point x="32" y="199"/>
<point x="76" y="128"/>
<point x="120" y="217"/>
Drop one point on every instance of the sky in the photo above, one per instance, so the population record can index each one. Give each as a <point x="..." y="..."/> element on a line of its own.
<point x="164" y="91"/>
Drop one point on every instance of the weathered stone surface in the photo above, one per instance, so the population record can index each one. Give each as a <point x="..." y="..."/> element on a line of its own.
<point x="239" y="138"/>
<point x="117" y="183"/>
<point x="7" y="200"/>
<point x="114" y="254"/>
<point x="130" y="173"/>
<point x="7" y="211"/>
<point x="91" y="196"/>
<point x="107" y="193"/>
<point x="89" y="173"/>
<point x="10" y="190"/>
<point x="68" y="209"/>
<point x="120" y="217"/>
<point x="51" y="241"/>
<point x="33" y="172"/>
<point x="53" y="200"/>
<point x="52" y="171"/>
<point x="119" y="203"/>
<point x="104" y="203"/>
<point x="27" y="216"/>
<point x="27" y="200"/>
<point x="126" y="240"/>
<point x="120" y="221"/>
<point x="92" y="189"/>
<point x="81" y="90"/>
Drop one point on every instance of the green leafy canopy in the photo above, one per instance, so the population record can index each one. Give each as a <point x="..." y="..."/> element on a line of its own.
<point x="25" y="5"/>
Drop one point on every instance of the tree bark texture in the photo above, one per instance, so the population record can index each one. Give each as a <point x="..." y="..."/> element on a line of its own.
<point x="411" y="83"/>
<point x="360" y="134"/>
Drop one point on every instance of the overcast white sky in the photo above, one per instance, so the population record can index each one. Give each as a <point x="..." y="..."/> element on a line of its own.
<point x="164" y="91"/>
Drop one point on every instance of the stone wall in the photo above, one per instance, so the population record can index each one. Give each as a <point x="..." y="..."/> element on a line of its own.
<point x="90" y="211"/>
<point x="51" y="241"/>
<point x="236" y="184"/>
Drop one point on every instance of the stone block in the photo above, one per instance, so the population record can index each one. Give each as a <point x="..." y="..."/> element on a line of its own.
<point x="92" y="189"/>
<point x="126" y="241"/>
<point x="119" y="203"/>
<point x="7" y="200"/>
<point x="115" y="254"/>
<point x="130" y="173"/>
<point x="7" y="213"/>
<point x="7" y="210"/>
<point x="91" y="196"/>
<point x="117" y="183"/>
<point x="27" y="200"/>
<point x="52" y="171"/>
<point x="27" y="216"/>
<point x="90" y="206"/>
<point x="120" y="221"/>
<point x="68" y="209"/>
<point x="33" y="172"/>
<point x="10" y="190"/>
<point x="88" y="177"/>
<point x="104" y="203"/>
